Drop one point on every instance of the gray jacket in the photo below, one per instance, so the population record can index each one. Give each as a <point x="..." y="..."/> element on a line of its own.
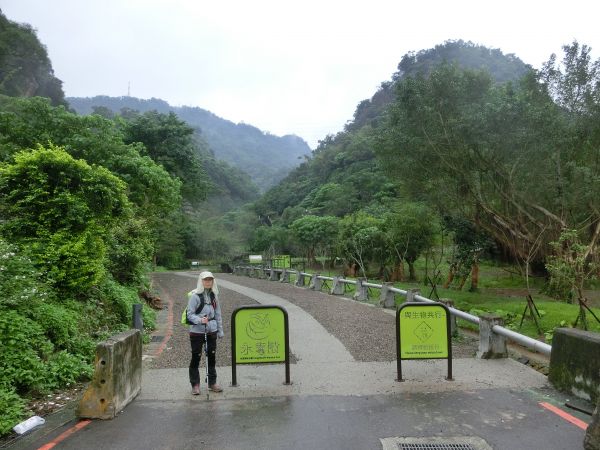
<point x="215" y="323"/>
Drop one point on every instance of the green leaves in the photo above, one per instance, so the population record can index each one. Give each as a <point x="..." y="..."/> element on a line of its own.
<point x="63" y="209"/>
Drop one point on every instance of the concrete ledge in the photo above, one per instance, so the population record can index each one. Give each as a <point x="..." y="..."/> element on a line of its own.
<point x="575" y="362"/>
<point x="117" y="376"/>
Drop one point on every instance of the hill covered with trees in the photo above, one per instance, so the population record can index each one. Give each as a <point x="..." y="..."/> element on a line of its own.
<point x="464" y="142"/>
<point x="265" y="157"/>
<point x="25" y="69"/>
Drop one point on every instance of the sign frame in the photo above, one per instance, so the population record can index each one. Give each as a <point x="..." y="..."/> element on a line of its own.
<point x="448" y="333"/>
<point x="281" y="262"/>
<point x="234" y="362"/>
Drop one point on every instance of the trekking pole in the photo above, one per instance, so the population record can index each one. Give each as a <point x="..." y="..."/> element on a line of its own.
<point x="206" y="360"/>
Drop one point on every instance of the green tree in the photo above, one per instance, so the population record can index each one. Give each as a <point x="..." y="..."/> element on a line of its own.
<point x="63" y="210"/>
<point x="410" y="230"/>
<point x="361" y="238"/>
<point x="315" y="233"/>
<point x="506" y="157"/>
<point x="169" y="142"/>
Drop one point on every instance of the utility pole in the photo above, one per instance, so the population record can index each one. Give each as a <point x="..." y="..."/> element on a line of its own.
<point x="129" y="89"/>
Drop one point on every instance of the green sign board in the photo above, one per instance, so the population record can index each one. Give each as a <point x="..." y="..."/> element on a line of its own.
<point x="423" y="332"/>
<point x="260" y="336"/>
<point x="282" y="262"/>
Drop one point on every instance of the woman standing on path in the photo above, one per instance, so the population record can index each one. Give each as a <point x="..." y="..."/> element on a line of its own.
<point x="204" y="314"/>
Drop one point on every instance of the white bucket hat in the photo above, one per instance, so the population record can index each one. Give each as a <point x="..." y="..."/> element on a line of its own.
<point x="203" y="275"/>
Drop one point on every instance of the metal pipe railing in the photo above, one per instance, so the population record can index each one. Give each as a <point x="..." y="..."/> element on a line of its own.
<point x="513" y="336"/>
<point x="523" y="340"/>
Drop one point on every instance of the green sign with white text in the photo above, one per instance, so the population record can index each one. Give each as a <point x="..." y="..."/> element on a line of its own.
<point x="423" y="331"/>
<point x="260" y="336"/>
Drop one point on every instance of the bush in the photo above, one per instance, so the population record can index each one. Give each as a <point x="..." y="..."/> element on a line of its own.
<point x="19" y="280"/>
<point x="61" y="326"/>
<point x="12" y="410"/>
<point x="64" y="369"/>
<point x="114" y="308"/>
<point x="23" y="347"/>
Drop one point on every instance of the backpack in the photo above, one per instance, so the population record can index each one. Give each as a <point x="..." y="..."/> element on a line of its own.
<point x="184" y="320"/>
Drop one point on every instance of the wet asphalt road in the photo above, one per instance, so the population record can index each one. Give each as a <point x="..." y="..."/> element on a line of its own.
<point x="507" y="419"/>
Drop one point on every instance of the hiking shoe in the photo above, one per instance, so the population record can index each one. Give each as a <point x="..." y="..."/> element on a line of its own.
<point x="196" y="389"/>
<point x="215" y="388"/>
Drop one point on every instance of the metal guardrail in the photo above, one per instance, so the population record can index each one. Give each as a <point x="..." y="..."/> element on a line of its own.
<point x="513" y="336"/>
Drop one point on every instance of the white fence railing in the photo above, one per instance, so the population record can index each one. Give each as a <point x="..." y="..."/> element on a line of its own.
<point x="316" y="281"/>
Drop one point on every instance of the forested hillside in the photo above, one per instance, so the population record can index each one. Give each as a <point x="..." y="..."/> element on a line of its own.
<point x="344" y="175"/>
<point x="463" y="142"/>
<point x="265" y="157"/>
<point x="25" y="69"/>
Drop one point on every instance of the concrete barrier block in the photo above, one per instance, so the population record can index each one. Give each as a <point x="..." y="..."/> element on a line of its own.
<point x="117" y="376"/>
<point x="575" y="362"/>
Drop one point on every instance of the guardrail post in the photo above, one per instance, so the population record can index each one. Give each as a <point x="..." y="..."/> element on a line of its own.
<point x="491" y="345"/>
<point x="300" y="281"/>
<point x="273" y="275"/>
<point x="285" y="276"/>
<point x="315" y="282"/>
<point x="410" y="294"/>
<point x="362" y="291"/>
<point x="138" y="321"/>
<point x="387" y="298"/>
<point x="337" y="288"/>
<point x="453" y="325"/>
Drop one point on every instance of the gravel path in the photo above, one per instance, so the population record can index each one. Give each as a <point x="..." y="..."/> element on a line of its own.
<point x="366" y="331"/>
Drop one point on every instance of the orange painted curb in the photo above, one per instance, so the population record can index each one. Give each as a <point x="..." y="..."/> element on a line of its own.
<point x="65" y="435"/>
<point x="568" y="417"/>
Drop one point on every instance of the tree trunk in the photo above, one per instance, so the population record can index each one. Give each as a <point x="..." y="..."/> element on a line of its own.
<point x="463" y="280"/>
<point x="398" y="272"/>
<point x="474" y="276"/>
<point x="411" y="271"/>
<point x="350" y="270"/>
<point x="451" y="273"/>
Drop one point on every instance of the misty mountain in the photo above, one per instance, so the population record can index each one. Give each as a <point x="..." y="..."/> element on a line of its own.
<point x="265" y="157"/>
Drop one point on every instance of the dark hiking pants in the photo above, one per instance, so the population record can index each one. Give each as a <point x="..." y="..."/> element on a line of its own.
<point x="197" y="342"/>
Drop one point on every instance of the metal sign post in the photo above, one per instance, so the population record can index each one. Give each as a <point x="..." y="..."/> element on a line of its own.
<point x="423" y="332"/>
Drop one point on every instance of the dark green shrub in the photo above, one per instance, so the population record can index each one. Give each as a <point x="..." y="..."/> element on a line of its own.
<point x="23" y="347"/>
<point x="64" y="369"/>
<point x="12" y="410"/>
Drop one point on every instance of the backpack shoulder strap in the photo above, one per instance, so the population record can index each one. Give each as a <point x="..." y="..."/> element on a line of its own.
<point x="202" y="303"/>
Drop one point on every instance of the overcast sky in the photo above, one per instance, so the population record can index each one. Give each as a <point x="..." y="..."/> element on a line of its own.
<point x="287" y="67"/>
